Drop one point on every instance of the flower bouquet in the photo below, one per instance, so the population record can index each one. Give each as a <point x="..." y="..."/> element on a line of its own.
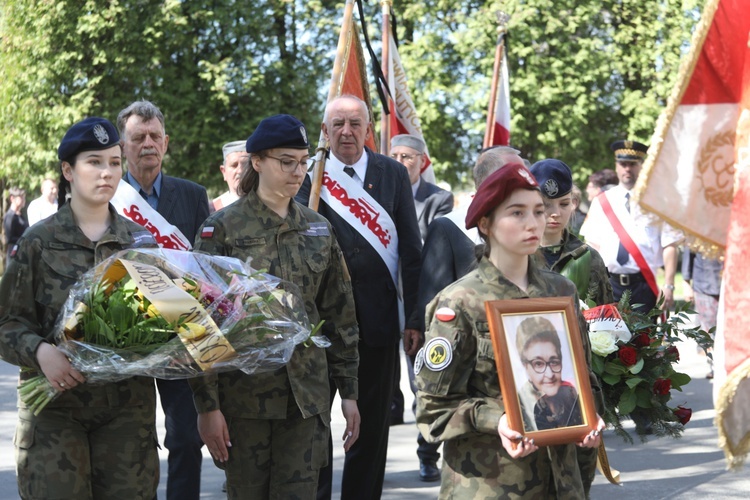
<point x="172" y="314"/>
<point x="634" y="357"/>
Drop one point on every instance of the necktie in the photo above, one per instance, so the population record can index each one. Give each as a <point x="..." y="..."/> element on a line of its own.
<point x="622" y="253"/>
<point x="349" y="171"/>
<point x="143" y="194"/>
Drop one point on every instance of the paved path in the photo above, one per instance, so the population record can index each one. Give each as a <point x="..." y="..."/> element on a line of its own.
<point x="688" y="468"/>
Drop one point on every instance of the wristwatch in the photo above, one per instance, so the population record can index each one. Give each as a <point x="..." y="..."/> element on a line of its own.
<point x="669" y="287"/>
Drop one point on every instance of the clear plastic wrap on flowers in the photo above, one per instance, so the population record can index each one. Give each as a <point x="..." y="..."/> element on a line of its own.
<point x="172" y="314"/>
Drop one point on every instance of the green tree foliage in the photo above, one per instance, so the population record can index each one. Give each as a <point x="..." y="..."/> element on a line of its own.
<point x="583" y="73"/>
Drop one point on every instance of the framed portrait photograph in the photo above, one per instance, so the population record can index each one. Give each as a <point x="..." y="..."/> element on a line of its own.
<point x="542" y="367"/>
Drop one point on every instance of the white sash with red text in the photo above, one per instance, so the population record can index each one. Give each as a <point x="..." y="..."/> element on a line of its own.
<point x="360" y="210"/>
<point x="131" y="205"/>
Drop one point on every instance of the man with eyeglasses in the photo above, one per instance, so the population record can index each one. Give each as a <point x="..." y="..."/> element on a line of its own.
<point x="231" y="169"/>
<point x="367" y="198"/>
<point x="430" y="202"/>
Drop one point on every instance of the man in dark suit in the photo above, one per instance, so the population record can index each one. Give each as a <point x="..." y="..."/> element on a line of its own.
<point x="184" y="204"/>
<point x="346" y="127"/>
<point x="430" y="202"/>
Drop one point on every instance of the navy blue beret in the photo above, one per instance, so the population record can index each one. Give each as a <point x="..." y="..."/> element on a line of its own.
<point x="91" y="134"/>
<point x="554" y="177"/>
<point x="629" y="150"/>
<point x="278" y="131"/>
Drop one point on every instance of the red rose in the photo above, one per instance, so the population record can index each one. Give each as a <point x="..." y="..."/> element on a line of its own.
<point x="683" y="414"/>
<point x="662" y="386"/>
<point x="628" y="355"/>
<point x="642" y="340"/>
<point x="672" y="351"/>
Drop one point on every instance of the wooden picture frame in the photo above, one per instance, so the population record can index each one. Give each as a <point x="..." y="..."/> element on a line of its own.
<point x="563" y="405"/>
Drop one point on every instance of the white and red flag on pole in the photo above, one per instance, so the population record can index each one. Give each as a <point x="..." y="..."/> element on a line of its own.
<point x="403" y="113"/>
<point x="697" y="178"/>
<point x="497" y="132"/>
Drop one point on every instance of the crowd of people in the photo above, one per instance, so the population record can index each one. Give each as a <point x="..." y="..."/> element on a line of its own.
<point x="413" y="271"/>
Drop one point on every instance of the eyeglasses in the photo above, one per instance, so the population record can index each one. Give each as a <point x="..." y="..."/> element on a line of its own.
<point x="403" y="157"/>
<point x="290" y="164"/>
<point x="540" y="366"/>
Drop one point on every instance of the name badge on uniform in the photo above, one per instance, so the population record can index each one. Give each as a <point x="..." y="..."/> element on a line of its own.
<point x="316" y="229"/>
<point x="141" y="238"/>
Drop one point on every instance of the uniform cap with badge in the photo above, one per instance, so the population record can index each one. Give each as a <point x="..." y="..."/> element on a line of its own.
<point x="553" y="176"/>
<point x="92" y="134"/>
<point x="629" y="150"/>
<point x="496" y="188"/>
<point x="278" y="131"/>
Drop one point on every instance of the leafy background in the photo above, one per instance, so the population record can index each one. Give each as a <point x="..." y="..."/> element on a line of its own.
<point x="583" y="73"/>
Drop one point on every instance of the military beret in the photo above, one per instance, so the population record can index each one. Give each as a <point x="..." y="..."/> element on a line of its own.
<point x="496" y="188"/>
<point x="233" y="147"/>
<point x="410" y="141"/>
<point x="278" y="131"/>
<point x="553" y="176"/>
<point x="629" y="150"/>
<point x="91" y="134"/>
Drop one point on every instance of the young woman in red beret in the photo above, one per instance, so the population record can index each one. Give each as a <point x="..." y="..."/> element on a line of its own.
<point x="459" y="398"/>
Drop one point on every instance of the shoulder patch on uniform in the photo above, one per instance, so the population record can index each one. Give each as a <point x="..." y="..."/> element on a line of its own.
<point x="143" y="237"/>
<point x="207" y="232"/>
<point x="438" y="354"/>
<point x="445" y="314"/>
<point x="419" y="361"/>
<point x="316" y="229"/>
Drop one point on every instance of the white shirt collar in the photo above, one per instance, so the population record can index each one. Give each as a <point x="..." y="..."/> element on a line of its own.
<point x="360" y="167"/>
<point x="415" y="187"/>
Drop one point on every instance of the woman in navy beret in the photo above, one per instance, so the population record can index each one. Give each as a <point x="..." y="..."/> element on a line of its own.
<point x="92" y="441"/>
<point x="270" y="431"/>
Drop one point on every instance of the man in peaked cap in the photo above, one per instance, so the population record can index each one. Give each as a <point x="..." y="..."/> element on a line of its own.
<point x="231" y="169"/>
<point x="655" y="240"/>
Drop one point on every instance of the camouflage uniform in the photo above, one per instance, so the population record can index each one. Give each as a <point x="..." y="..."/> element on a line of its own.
<point x="93" y="441"/>
<point x="460" y="403"/>
<point x="279" y="422"/>
<point x="599" y="292"/>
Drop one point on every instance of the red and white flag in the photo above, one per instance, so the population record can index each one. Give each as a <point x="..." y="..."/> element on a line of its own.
<point x="403" y="113"/>
<point x="497" y="132"/>
<point x="697" y="178"/>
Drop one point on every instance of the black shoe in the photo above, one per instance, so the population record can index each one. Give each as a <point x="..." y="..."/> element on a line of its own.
<point x="429" y="472"/>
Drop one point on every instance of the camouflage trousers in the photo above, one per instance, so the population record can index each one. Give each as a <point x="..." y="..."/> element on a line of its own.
<point x="478" y="467"/>
<point x="87" y="453"/>
<point x="276" y="459"/>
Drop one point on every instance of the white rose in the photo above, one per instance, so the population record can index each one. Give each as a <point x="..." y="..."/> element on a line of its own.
<point x="603" y="342"/>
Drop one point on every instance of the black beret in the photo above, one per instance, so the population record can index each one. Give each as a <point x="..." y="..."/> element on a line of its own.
<point x="278" y="131"/>
<point x="91" y="134"/>
<point x="553" y="176"/>
<point x="496" y="188"/>
<point x="629" y="150"/>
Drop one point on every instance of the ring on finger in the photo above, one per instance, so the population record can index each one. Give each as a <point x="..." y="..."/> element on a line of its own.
<point x="62" y="384"/>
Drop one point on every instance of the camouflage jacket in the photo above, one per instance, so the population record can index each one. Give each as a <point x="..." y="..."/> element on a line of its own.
<point x="51" y="257"/>
<point x="556" y="258"/>
<point x="302" y="249"/>
<point x="459" y="399"/>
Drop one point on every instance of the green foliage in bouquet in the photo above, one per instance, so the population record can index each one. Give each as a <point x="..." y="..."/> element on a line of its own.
<point x="638" y="376"/>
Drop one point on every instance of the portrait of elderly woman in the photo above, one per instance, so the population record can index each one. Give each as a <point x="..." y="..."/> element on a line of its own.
<point x="547" y="400"/>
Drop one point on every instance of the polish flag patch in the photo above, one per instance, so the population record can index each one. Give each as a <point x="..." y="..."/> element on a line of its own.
<point x="445" y="314"/>
<point x="207" y="232"/>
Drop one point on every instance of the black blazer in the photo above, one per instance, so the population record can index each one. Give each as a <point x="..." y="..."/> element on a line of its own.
<point x="375" y="295"/>
<point x="431" y="202"/>
<point x="448" y="255"/>
<point x="184" y="204"/>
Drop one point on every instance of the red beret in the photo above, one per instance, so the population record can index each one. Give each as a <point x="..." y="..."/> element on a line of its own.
<point x="496" y="188"/>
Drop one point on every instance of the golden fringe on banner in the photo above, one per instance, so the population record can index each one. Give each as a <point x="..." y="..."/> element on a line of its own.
<point x="737" y="383"/>
<point x="695" y="241"/>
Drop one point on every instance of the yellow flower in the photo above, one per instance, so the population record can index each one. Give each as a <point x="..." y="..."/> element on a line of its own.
<point x="192" y="331"/>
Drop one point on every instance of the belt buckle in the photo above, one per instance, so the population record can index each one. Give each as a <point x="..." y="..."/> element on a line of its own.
<point x="624" y="280"/>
